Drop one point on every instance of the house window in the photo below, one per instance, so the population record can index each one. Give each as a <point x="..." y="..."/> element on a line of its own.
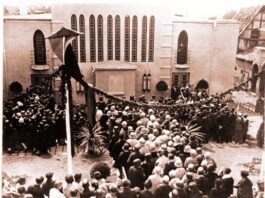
<point x="82" y="38"/>
<point x="92" y="34"/>
<point x="39" y="48"/>
<point x="100" y="39"/>
<point x="134" y="39"/>
<point x="182" y="54"/>
<point x="151" y="39"/>
<point x="117" y="37"/>
<point x="75" y="42"/>
<point x="127" y="39"/>
<point x="110" y="38"/>
<point x="144" y="37"/>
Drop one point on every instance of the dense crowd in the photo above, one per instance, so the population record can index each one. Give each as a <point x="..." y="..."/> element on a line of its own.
<point x="156" y="150"/>
<point x="192" y="182"/>
<point x="33" y="122"/>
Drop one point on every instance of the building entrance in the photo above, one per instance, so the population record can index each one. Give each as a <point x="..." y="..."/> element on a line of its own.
<point x="180" y="79"/>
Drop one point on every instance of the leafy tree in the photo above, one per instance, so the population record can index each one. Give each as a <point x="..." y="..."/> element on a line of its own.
<point x="202" y="84"/>
<point x="230" y="14"/>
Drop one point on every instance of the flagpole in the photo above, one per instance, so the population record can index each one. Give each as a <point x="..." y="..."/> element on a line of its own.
<point x="67" y="124"/>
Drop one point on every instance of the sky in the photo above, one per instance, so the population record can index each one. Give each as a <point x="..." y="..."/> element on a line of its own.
<point x="189" y="8"/>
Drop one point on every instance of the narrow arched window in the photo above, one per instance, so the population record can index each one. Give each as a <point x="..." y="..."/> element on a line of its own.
<point x="39" y="48"/>
<point x="127" y="39"/>
<point x="82" y="38"/>
<point x="110" y="38"/>
<point x="117" y="38"/>
<point x="100" y="39"/>
<point x="151" y="39"/>
<point x="92" y="34"/>
<point x="134" y="39"/>
<point x="182" y="54"/>
<point x="74" y="42"/>
<point x="144" y="38"/>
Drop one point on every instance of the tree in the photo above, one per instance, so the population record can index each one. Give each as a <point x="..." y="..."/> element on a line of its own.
<point x="161" y="86"/>
<point x="230" y="14"/>
<point x="202" y="84"/>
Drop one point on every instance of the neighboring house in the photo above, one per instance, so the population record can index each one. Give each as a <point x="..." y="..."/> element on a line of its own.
<point x="120" y="44"/>
<point x="251" y="50"/>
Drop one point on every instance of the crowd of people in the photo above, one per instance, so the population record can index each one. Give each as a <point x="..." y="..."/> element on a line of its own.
<point x="195" y="181"/>
<point x="33" y="122"/>
<point x="156" y="150"/>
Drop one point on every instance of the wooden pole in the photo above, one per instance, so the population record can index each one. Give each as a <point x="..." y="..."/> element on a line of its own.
<point x="68" y="134"/>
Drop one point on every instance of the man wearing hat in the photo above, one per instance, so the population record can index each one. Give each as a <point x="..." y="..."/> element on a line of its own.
<point x="122" y="159"/>
<point x="144" y="148"/>
<point x="136" y="174"/>
<point x="156" y="178"/>
<point x="170" y="165"/>
<point x="162" y="160"/>
<point x="132" y="139"/>
<point x="163" y="190"/>
<point x="117" y="147"/>
<point x="148" y="165"/>
<point x="180" y="171"/>
<point x="179" y="186"/>
<point x="202" y="181"/>
<point x="192" y="159"/>
<point x="135" y="154"/>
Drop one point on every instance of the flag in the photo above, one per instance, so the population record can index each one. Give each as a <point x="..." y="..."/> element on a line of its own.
<point x="72" y="69"/>
<point x="91" y="106"/>
<point x="71" y="65"/>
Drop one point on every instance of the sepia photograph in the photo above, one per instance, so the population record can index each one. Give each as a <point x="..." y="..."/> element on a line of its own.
<point x="133" y="99"/>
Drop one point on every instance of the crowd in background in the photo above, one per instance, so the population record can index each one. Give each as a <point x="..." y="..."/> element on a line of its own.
<point x="158" y="150"/>
<point x="33" y="122"/>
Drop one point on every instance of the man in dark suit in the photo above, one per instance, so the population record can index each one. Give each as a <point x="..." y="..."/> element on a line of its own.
<point x="136" y="174"/>
<point x="175" y="92"/>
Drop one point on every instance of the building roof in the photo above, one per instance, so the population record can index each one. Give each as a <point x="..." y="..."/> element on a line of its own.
<point x="249" y="57"/>
<point x="191" y="20"/>
<point x="248" y="22"/>
<point x="29" y="17"/>
<point x="114" y="65"/>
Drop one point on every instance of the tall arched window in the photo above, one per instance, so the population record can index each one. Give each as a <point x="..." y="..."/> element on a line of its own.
<point x="144" y="38"/>
<point x="92" y="34"/>
<point x="117" y="38"/>
<point x="110" y="38"/>
<point x="151" y="39"/>
<point x="134" y="39"/>
<point x="127" y="39"/>
<point x="39" y="48"/>
<point x="82" y="38"/>
<point x="182" y="55"/>
<point x="75" y="42"/>
<point x="100" y="39"/>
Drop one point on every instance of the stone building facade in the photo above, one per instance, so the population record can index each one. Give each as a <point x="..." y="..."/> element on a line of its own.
<point x="125" y="49"/>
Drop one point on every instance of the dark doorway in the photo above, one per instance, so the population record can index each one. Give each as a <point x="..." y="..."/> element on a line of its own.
<point x="255" y="71"/>
<point x="262" y="82"/>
